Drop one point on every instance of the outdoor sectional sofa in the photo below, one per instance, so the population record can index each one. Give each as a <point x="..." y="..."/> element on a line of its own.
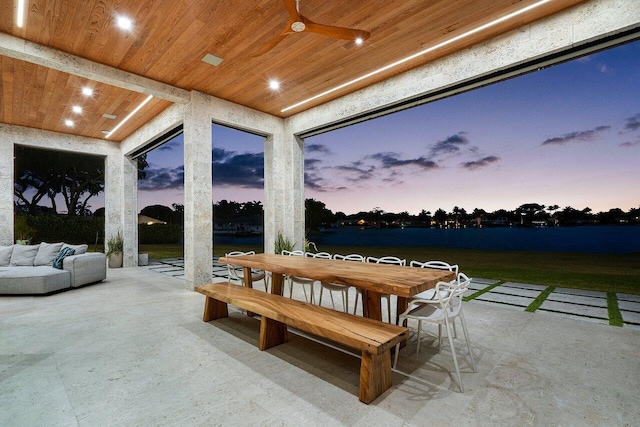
<point x="29" y="269"/>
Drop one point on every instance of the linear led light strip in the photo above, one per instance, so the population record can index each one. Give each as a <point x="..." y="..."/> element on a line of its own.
<point x="422" y="52"/>
<point x="129" y="116"/>
<point x="20" y="15"/>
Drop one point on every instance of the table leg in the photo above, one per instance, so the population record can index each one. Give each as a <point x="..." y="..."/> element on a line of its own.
<point x="371" y="306"/>
<point x="248" y="282"/>
<point x="248" y="278"/>
<point x="277" y="281"/>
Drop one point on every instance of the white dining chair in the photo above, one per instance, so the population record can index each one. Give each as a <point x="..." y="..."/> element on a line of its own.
<point x="237" y="273"/>
<point x="335" y="287"/>
<point x="391" y="260"/>
<point x="302" y="281"/>
<point x="442" y="310"/>
<point x="440" y="265"/>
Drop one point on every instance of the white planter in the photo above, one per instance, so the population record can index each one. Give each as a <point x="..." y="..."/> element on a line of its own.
<point x="115" y="260"/>
<point x="143" y="259"/>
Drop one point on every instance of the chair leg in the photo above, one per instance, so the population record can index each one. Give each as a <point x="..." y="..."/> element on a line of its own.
<point x="345" y="300"/>
<point x="389" y="307"/>
<point x="419" y="330"/>
<point x="466" y="337"/>
<point x="395" y="358"/>
<point x="321" y="290"/>
<point x="439" y="337"/>
<point x="453" y="352"/>
<point x="355" y="306"/>
<point x="333" y="304"/>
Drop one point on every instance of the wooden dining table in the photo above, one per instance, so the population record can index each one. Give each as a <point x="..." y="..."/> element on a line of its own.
<point x="373" y="280"/>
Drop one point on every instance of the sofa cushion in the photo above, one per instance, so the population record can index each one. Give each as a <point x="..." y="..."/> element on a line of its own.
<point x="64" y="252"/>
<point x="79" y="249"/>
<point x="5" y="255"/>
<point x="46" y="253"/>
<point x="23" y="255"/>
<point x="33" y="280"/>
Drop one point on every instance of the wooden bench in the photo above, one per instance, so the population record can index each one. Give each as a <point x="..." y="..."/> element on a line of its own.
<point x="372" y="337"/>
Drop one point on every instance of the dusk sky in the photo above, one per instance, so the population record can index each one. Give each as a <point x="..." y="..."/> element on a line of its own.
<point x="566" y="135"/>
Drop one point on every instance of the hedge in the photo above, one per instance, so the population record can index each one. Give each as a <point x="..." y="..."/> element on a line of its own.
<point x="63" y="228"/>
<point x="159" y="233"/>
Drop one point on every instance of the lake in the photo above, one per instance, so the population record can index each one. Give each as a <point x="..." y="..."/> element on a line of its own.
<point x="614" y="239"/>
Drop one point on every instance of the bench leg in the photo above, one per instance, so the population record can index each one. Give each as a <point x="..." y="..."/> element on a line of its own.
<point x="272" y="333"/>
<point x="214" y="309"/>
<point x="375" y="375"/>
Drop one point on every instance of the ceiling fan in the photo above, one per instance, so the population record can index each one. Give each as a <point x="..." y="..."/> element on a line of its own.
<point x="299" y="24"/>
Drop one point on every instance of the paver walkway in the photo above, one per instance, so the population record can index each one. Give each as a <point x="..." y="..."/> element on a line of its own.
<point x="591" y="306"/>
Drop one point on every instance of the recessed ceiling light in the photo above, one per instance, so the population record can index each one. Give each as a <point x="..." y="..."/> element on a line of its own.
<point x="20" y="14"/>
<point x="422" y="52"/>
<point x="274" y="85"/>
<point x="105" y="132"/>
<point x="109" y="116"/>
<point x="87" y="91"/>
<point x="76" y="109"/>
<point x="68" y="123"/>
<point x="124" y="23"/>
<point x="359" y="41"/>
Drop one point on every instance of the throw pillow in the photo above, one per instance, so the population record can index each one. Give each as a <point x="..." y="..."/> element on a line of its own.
<point x="5" y="255"/>
<point x="64" y="252"/>
<point x="23" y="254"/>
<point x="46" y="253"/>
<point x="79" y="249"/>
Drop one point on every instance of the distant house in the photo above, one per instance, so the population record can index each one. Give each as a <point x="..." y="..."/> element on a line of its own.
<point x="143" y="219"/>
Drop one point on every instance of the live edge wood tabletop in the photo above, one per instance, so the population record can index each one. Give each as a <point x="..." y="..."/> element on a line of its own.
<point x="372" y="279"/>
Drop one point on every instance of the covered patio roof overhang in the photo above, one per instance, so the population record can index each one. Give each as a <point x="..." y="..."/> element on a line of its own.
<point x="581" y="29"/>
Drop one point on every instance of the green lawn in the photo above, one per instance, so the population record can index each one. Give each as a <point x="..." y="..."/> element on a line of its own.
<point x="608" y="273"/>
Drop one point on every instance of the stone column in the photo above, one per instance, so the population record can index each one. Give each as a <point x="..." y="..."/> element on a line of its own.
<point x="114" y="200"/>
<point x="198" y="205"/>
<point x="284" y="189"/>
<point x="130" y="212"/>
<point x="6" y="192"/>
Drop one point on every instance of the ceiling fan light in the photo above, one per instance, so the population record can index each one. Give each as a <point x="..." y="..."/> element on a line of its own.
<point x="359" y="41"/>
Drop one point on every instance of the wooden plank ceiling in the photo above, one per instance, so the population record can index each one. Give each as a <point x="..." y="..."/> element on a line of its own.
<point x="170" y="38"/>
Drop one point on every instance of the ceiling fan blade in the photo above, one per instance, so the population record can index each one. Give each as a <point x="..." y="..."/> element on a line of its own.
<point x="336" y="32"/>
<point x="272" y="43"/>
<point x="292" y="9"/>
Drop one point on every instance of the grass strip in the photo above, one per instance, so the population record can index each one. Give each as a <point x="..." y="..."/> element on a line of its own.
<point x="615" y="318"/>
<point x="481" y="291"/>
<point x="536" y="303"/>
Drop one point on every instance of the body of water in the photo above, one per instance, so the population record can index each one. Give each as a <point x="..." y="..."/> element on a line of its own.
<point x="589" y="239"/>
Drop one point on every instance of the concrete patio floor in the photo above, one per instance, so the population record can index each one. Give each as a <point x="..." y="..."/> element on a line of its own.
<point x="133" y="350"/>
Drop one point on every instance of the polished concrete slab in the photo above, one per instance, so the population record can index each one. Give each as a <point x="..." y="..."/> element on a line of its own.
<point x="133" y="350"/>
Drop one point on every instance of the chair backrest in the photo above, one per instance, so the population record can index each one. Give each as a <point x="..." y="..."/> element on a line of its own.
<point x="449" y="295"/>
<point x="387" y="260"/>
<point x="236" y="272"/>
<point x="293" y="253"/>
<point x="323" y="255"/>
<point x="350" y="257"/>
<point x="440" y="265"/>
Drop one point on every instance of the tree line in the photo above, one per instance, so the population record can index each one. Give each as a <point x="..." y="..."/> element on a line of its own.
<point x="318" y="216"/>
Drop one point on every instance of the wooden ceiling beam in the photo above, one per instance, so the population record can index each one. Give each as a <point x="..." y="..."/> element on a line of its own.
<point x="24" y="50"/>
